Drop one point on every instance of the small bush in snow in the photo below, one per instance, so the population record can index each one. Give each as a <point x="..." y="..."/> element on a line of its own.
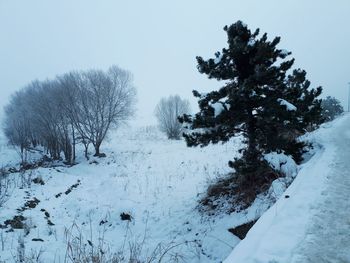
<point x="167" y="112"/>
<point x="331" y="108"/>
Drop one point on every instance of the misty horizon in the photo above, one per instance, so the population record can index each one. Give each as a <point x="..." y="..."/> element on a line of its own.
<point x="158" y="42"/>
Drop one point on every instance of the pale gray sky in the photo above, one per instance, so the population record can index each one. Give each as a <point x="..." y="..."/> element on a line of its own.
<point x="158" y="40"/>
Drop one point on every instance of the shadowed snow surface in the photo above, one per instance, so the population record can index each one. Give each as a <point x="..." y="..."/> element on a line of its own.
<point x="313" y="224"/>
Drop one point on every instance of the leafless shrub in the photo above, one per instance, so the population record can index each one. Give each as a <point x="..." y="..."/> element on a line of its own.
<point x="20" y="257"/>
<point x="79" y="249"/>
<point x="82" y="250"/>
<point x="5" y="186"/>
<point x="34" y="256"/>
<point x="167" y="112"/>
<point x="25" y="179"/>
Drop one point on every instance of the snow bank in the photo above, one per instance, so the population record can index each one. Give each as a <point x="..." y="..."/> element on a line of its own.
<point x="282" y="228"/>
<point x="283" y="163"/>
<point x="287" y="166"/>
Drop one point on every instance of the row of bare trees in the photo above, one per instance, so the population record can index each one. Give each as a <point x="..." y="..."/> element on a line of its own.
<point x="77" y="107"/>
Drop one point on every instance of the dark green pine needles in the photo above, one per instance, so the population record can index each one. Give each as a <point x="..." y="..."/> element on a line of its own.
<point x="261" y="99"/>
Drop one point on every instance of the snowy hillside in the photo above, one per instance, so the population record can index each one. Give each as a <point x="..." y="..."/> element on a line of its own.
<point x="311" y="222"/>
<point x="156" y="181"/>
<point x="8" y="155"/>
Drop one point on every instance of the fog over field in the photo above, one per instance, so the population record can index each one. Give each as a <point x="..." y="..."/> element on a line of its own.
<point x="174" y="131"/>
<point x="159" y="40"/>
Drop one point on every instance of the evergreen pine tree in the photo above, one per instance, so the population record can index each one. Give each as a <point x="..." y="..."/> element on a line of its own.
<point x="258" y="100"/>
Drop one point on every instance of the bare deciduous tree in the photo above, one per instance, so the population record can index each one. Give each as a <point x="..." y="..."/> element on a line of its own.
<point x="103" y="101"/>
<point x="167" y="112"/>
<point x="75" y="107"/>
<point x="17" y="126"/>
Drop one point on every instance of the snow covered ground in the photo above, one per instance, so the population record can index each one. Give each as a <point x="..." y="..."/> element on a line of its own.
<point x="156" y="181"/>
<point x="312" y="222"/>
<point x="8" y="156"/>
<point x="159" y="182"/>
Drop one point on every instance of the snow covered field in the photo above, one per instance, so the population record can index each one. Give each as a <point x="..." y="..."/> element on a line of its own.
<point x="312" y="224"/>
<point x="156" y="181"/>
<point x="8" y="156"/>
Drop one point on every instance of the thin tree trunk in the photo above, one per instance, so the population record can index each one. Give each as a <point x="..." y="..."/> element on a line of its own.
<point x="86" y="151"/>
<point x="73" y="136"/>
<point x="97" y="149"/>
<point x="251" y="154"/>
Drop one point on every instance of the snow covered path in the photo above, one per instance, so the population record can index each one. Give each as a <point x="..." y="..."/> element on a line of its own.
<point x="328" y="235"/>
<point x="313" y="223"/>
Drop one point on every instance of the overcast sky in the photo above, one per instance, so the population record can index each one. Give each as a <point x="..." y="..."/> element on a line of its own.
<point x="158" y="40"/>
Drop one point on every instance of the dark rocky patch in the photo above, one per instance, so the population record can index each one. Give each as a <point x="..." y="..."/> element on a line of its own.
<point x="32" y="203"/>
<point x="29" y="205"/>
<point x="37" y="240"/>
<point x="47" y="217"/>
<point x="13" y="170"/>
<point x="242" y="230"/>
<point x="102" y="222"/>
<point x="38" y="180"/>
<point x="125" y="217"/>
<point x="16" y="222"/>
<point x="69" y="190"/>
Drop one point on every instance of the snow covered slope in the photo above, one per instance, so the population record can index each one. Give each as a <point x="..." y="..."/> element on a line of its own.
<point x="156" y="181"/>
<point x="311" y="223"/>
<point x="8" y="155"/>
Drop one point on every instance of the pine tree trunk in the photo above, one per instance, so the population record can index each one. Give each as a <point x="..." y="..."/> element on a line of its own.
<point x="251" y="153"/>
